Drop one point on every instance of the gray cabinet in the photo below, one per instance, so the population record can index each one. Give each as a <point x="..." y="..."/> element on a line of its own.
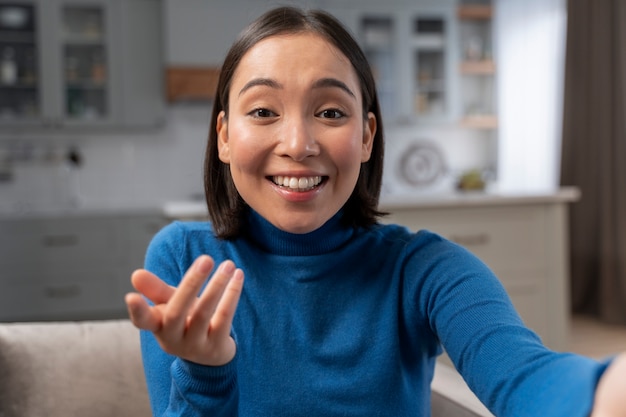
<point x="80" y="63"/>
<point x="74" y="268"/>
<point x="411" y="48"/>
<point x="200" y="32"/>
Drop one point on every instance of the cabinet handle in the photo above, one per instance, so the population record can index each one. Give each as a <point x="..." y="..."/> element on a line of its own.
<point x="60" y="240"/>
<point x="471" y="240"/>
<point x="62" y="292"/>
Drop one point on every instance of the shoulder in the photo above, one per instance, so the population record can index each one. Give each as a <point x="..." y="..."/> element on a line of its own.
<point x="422" y="253"/>
<point x="414" y="241"/>
<point x="428" y="262"/>
<point x="178" y="234"/>
<point x="174" y="247"/>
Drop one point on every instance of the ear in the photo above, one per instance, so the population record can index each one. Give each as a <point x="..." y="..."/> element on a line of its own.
<point x="223" y="147"/>
<point x="369" y="132"/>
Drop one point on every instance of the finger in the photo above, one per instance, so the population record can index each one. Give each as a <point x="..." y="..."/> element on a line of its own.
<point x="151" y="286"/>
<point x="185" y="296"/>
<point x="141" y="314"/>
<point x="209" y="299"/>
<point x="225" y="312"/>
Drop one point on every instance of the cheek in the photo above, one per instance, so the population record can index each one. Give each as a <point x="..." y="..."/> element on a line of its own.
<point x="245" y="148"/>
<point x="346" y="152"/>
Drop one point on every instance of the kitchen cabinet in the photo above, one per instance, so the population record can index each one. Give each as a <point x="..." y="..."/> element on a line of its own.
<point x="411" y="48"/>
<point x="80" y="64"/>
<point x="199" y="32"/>
<point x="71" y="267"/>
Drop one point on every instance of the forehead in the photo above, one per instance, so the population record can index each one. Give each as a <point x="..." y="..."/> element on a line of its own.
<point x="295" y="56"/>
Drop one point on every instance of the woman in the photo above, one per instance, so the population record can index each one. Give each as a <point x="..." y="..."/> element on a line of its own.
<point x="339" y="315"/>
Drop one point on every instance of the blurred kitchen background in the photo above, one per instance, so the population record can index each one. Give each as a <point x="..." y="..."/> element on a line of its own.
<point x="104" y="113"/>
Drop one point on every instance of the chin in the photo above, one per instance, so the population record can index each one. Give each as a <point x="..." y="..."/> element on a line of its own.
<point x="300" y="227"/>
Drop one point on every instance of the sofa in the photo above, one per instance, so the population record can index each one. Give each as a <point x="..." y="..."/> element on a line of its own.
<point x="93" y="368"/>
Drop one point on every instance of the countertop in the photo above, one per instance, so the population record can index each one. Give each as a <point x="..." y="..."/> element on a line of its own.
<point x="197" y="209"/>
<point x="76" y="212"/>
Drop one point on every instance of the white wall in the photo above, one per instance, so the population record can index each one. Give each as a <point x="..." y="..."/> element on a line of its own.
<point x="119" y="170"/>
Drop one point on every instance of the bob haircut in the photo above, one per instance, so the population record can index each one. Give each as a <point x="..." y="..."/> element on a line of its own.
<point x="226" y="207"/>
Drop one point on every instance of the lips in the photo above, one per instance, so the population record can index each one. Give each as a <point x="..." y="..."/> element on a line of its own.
<point x="297" y="183"/>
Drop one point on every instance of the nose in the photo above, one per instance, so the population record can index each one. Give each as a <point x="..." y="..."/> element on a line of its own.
<point x="298" y="141"/>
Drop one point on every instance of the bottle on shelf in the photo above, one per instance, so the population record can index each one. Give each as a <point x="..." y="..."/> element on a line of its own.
<point x="98" y="69"/>
<point x="8" y="67"/>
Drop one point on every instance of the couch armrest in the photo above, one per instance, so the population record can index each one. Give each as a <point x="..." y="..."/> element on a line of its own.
<point x="451" y="397"/>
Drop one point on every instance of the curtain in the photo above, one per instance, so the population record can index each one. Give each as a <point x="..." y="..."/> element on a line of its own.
<point x="529" y="38"/>
<point x="594" y="155"/>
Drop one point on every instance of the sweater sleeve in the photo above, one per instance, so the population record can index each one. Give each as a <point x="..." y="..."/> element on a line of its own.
<point x="199" y="390"/>
<point x="177" y="387"/>
<point x="503" y="361"/>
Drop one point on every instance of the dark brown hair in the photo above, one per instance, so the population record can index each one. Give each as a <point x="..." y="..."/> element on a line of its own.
<point x="226" y="207"/>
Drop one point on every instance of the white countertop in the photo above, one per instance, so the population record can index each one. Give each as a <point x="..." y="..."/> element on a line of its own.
<point x="479" y="198"/>
<point x="197" y="209"/>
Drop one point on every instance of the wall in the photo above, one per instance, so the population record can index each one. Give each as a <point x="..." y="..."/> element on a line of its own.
<point x="117" y="170"/>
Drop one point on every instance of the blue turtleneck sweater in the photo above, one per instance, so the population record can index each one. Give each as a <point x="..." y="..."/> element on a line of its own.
<point x="349" y="322"/>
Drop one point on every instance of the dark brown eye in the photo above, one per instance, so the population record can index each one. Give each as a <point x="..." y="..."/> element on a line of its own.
<point x="331" y="114"/>
<point x="262" y="113"/>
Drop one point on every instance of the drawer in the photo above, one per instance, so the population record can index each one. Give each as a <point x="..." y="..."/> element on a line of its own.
<point x="19" y="240"/>
<point x="75" y="299"/>
<point x="58" y="241"/>
<point x="505" y="238"/>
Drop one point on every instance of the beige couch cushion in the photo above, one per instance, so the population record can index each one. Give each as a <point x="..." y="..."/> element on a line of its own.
<point x="71" y="369"/>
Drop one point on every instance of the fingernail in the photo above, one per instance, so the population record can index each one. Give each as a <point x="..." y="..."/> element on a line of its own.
<point x="204" y="265"/>
<point x="227" y="267"/>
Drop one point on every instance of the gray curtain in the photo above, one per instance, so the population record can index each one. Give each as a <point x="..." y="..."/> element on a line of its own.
<point x="594" y="155"/>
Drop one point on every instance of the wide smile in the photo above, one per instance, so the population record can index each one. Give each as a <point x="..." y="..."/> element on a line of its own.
<point x="298" y="184"/>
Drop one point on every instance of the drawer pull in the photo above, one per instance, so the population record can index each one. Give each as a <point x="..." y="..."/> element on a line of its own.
<point x="56" y="241"/>
<point x="63" y="292"/>
<point x="471" y="240"/>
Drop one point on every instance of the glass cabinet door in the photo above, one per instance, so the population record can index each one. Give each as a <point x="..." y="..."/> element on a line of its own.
<point x="84" y="63"/>
<point x="429" y="63"/>
<point x="377" y="39"/>
<point x="409" y="52"/>
<point x="19" y="68"/>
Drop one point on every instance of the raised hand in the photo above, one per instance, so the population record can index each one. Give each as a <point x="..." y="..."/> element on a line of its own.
<point x="195" y="328"/>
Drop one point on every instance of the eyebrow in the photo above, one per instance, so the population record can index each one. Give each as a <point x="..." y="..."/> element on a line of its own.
<point x="333" y="82"/>
<point x="268" y="82"/>
<point x="321" y="83"/>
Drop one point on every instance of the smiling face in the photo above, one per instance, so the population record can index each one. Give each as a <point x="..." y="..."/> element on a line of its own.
<point x="295" y="136"/>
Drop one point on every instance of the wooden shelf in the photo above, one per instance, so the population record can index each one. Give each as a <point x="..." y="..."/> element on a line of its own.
<point x="191" y="83"/>
<point x="485" y="66"/>
<point x="475" y="11"/>
<point x="485" y="121"/>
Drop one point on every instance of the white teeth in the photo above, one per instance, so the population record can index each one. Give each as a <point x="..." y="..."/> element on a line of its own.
<point x="297" y="183"/>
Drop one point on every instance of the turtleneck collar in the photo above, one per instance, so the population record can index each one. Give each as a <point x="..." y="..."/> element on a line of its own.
<point x="269" y="238"/>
